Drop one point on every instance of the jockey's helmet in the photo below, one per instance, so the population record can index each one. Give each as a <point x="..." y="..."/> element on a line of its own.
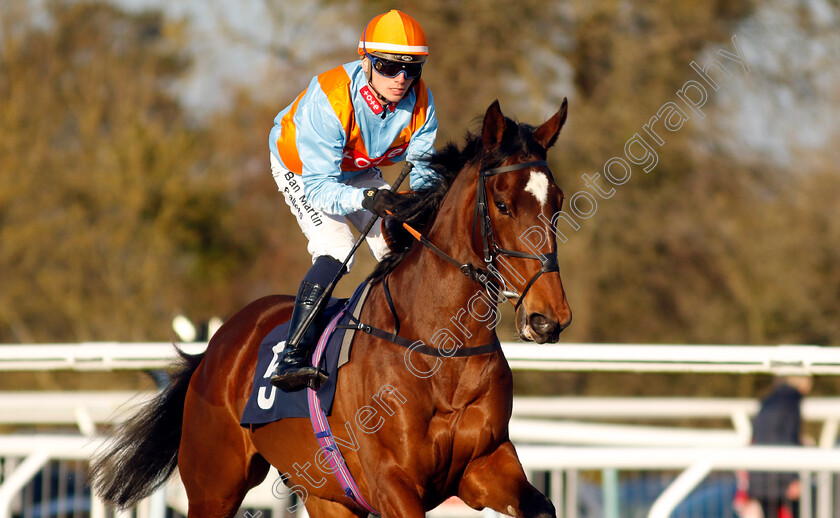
<point x="394" y="36"/>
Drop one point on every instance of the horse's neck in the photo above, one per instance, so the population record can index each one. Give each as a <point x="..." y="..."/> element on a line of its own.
<point x="440" y="302"/>
<point x="434" y="295"/>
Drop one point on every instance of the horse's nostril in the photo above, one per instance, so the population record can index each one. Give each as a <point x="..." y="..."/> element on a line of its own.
<point x="541" y="324"/>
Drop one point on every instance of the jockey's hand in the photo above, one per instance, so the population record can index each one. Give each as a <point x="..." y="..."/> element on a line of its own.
<point x="379" y="200"/>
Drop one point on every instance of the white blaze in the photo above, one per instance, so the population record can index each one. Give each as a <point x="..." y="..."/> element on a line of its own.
<point x="538" y="186"/>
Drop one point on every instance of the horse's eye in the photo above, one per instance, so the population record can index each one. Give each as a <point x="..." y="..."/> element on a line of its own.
<point x="503" y="208"/>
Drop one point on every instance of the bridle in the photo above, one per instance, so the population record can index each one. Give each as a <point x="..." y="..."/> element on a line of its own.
<point x="491" y="248"/>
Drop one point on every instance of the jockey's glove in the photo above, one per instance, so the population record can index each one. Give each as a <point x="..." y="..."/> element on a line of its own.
<point x="379" y="201"/>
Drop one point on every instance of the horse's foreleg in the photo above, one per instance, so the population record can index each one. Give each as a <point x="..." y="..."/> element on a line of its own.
<point x="395" y="496"/>
<point x="497" y="481"/>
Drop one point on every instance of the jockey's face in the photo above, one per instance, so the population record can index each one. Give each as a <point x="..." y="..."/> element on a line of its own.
<point x="393" y="89"/>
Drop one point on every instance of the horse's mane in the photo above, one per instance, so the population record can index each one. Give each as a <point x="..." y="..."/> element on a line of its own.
<point x="420" y="210"/>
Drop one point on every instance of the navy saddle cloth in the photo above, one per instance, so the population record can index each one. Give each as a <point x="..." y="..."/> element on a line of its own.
<point x="267" y="403"/>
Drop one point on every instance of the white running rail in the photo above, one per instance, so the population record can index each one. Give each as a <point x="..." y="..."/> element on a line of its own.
<point x="597" y="445"/>
<point x="781" y="359"/>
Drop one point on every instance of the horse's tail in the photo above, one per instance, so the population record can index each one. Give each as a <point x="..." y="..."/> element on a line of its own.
<point x="144" y="450"/>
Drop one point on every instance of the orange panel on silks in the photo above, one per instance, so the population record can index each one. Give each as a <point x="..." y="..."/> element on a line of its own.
<point x="337" y="86"/>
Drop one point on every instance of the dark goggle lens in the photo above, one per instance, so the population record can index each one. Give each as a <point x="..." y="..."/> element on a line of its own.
<point x="392" y="68"/>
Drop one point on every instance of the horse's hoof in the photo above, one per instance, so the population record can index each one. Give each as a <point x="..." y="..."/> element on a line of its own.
<point x="543" y="509"/>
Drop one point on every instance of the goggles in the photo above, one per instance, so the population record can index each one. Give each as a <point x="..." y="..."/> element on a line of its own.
<point x="387" y="68"/>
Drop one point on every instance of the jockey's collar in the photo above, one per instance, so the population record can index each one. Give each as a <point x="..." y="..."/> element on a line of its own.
<point x="375" y="100"/>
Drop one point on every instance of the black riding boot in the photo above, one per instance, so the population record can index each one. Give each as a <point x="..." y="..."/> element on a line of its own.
<point x="295" y="370"/>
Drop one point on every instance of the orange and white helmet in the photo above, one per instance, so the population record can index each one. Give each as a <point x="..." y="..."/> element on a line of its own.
<point x="394" y="34"/>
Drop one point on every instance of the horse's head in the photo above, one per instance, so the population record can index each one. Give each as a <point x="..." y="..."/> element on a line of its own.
<point x="517" y="201"/>
<point x="499" y="190"/>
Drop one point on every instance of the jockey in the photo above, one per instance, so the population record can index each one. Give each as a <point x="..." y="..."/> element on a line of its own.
<point x="325" y="149"/>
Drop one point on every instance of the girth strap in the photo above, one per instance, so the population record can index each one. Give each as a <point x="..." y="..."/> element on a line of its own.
<point x="324" y="434"/>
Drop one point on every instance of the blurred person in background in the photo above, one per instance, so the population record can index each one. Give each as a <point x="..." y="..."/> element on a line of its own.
<point x="779" y="422"/>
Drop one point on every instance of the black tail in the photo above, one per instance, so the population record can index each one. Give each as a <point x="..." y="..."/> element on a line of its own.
<point x="144" y="451"/>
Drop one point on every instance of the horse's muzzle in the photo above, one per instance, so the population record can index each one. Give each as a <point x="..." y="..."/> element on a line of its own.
<point x="540" y="328"/>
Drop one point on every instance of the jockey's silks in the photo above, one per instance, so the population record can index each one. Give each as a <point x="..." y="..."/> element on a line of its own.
<point x="337" y="128"/>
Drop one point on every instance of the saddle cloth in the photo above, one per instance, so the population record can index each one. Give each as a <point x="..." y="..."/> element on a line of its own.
<point x="267" y="403"/>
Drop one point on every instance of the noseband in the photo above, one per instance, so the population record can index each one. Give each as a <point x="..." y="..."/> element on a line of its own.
<point x="491" y="248"/>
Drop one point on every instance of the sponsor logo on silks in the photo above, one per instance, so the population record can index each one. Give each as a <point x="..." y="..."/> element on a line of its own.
<point x="374" y="105"/>
<point x="354" y="160"/>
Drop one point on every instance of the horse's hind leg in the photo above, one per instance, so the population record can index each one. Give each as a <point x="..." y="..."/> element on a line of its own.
<point x="320" y="508"/>
<point x="217" y="462"/>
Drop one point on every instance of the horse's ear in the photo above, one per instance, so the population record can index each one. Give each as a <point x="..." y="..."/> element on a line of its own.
<point x="546" y="134"/>
<point x="494" y="126"/>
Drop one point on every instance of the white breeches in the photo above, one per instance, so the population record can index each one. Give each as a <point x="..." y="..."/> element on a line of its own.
<point x="330" y="234"/>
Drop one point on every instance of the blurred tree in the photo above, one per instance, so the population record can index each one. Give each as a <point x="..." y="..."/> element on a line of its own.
<point x="711" y="246"/>
<point x="707" y="248"/>
<point x="108" y="207"/>
<point x="118" y="209"/>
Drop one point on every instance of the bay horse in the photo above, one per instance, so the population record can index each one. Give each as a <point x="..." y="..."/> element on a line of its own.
<point x="441" y="426"/>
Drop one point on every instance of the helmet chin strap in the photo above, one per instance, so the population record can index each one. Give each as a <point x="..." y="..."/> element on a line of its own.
<point x="379" y="96"/>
